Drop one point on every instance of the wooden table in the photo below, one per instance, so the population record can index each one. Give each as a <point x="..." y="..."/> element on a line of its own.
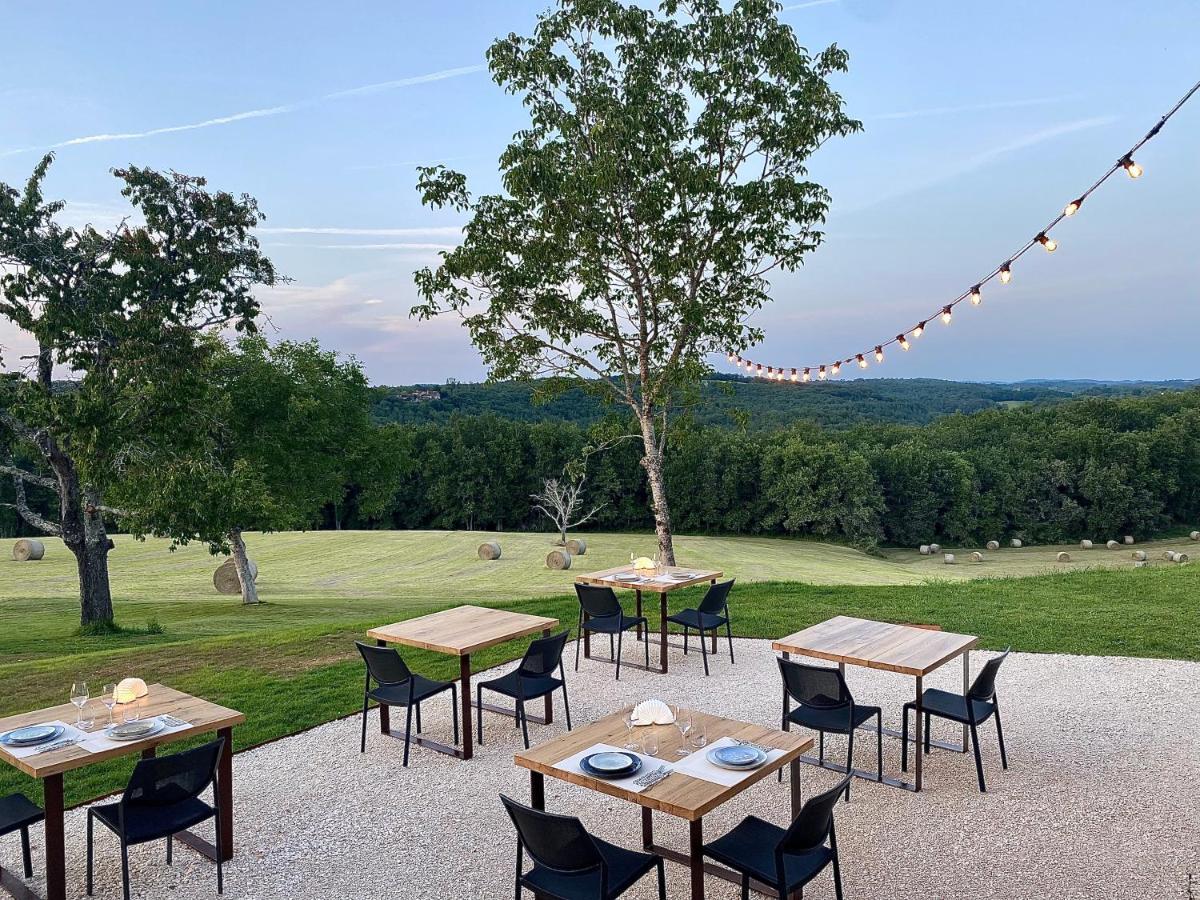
<point x="460" y="632"/>
<point x="904" y="649"/>
<point x="619" y="577"/>
<point x="681" y="796"/>
<point x="49" y="768"/>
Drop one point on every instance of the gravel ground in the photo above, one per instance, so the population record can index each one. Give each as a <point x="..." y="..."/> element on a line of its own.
<point x="1100" y="800"/>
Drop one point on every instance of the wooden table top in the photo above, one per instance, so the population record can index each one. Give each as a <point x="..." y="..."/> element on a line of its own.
<point x="877" y="645"/>
<point x="678" y="795"/>
<point x="203" y="715"/>
<point x="462" y="630"/>
<point x="618" y="577"/>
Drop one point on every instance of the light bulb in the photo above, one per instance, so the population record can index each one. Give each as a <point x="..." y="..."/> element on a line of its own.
<point x="1048" y="242"/>
<point x="807" y="374"/>
<point x="794" y="374"/>
<point x="749" y="366"/>
<point x="902" y="341"/>
<point x="759" y="370"/>
<point x="878" y="354"/>
<point x="821" y="373"/>
<point x="837" y="367"/>
<point x="1132" y="168"/>
<point x="919" y="330"/>
<point x="862" y="363"/>
<point x="946" y="314"/>
<point x="1073" y="207"/>
<point x="1005" y="273"/>
<point x="976" y="296"/>
<point x="729" y="357"/>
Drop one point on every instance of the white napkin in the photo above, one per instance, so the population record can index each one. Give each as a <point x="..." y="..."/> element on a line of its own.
<point x="99" y="741"/>
<point x="70" y="733"/>
<point x="649" y="764"/>
<point x="698" y="766"/>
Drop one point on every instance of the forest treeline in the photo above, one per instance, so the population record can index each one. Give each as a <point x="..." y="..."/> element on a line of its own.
<point x="1095" y="467"/>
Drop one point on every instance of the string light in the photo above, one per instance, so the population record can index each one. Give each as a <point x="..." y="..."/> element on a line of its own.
<point x="1002" y="273"/>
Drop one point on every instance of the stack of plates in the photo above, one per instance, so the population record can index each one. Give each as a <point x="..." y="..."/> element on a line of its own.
<point x="31" y="735"/>
<point x="134" y="731"/>
<point x="610" y="764"/>
<point x="738" y="758"/>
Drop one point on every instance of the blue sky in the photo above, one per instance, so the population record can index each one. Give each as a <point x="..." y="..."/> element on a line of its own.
<point x="982" y="120"/>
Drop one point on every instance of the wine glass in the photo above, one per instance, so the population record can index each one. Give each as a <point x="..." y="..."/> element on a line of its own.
<point x="650" y="741"/>
<point x="630" y="729"/>
<point x="683" y="721"/>
<point x="79" y="696"/>
<point x="699" y="735"/>
<point x="109" y="699"/>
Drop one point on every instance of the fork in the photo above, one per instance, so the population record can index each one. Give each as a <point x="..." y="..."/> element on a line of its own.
<point x="761" y="747"/>
<point x="58" y="745"/>
<point x="172" y="721"/>
<point x="654" y="777"/>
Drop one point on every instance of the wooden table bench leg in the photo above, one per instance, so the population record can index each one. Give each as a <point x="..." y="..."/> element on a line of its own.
<point x="56" y="848"/>
<point x="696" y="854"/>
<point x="464" y="688"/>
<point x="662" y="613"/>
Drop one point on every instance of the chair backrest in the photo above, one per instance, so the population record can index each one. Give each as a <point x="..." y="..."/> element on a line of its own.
<point x="598" y="602"/>
<point x="167" y="780"/>
<point x="812" y="827"/>
<point x="984" y="685"/>
<point x="544" y="655"/>
<point x="819" y="687"/>
<point x="717" y="598"/>
<point x="384" y="664"/>
<point x="560" y="843"/>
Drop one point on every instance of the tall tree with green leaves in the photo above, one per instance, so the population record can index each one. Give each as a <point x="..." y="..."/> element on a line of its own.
<point x="283" y="425"/>
<point x="115" y="319"/>
<point x="661" y="180"/>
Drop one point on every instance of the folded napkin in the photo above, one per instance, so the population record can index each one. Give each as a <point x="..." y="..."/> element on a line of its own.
<point x="698" y="766"/>
<point x="635" y="783"/>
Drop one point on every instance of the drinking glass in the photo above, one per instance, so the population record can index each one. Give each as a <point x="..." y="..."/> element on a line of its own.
<point x="79" y="696"/>
<point x="699" y="735"/>
<point x="630" y="731"/>
<point x="650" y="741"/>
<point x="109" y="699"/>
<point x="683" y="721"/>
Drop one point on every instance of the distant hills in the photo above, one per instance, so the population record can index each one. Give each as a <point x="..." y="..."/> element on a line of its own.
<point x="731" y="400"/>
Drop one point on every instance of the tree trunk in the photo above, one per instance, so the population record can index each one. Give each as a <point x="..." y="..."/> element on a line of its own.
<point x="85" y="536"/>
<point x="242" y="564"/>
<point x="652" y="462"/>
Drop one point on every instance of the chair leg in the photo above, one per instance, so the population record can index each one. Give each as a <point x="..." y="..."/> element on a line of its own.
<point x="89" y="854"/>
<point x="610" y="645"/>
<point x="407" y="731"/>
<point x="479" y="714"/>
<point x="169" y="843"/>
<point x="978" y="758"/>
<point x="646" y="645"/>
<point x="704" y="652"/>
<point x="821" y="746"/>
<point x="524" y="722"/>
<point x="566" y="706"/>
<point x="879" y="742"/>
<point x="26" y="857"/>
<point x="578" y="644"/>
<point x="620" y="634"/>
<point x="849" y="760"/>
<point x="928" y="728"/>
<point x="419" y="728"/>
<point x="1000" y="737"/>
<point x="454" y="710"/>
<point x="662" y="877"/>
<point x="904" y="742"/>
<point x="125" y="869"/>
<point x="729" y="634"/>
<point x="220" y="870"/>
<point x="837" y="878"/>
<point x="685" y="640"/>
<point x="745" y="886"/>
<point x="362" y="745"/>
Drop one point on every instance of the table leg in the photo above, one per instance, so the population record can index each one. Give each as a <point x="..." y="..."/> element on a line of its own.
<point x="696" y="852"/>
<point x="647" y="829"/>
<point x="537" y="790"/>
<point x="587" y="639"/>
<point x="919" y="731"/>
<point x="638" y="607"/>
<point x="662" y="613"/>
<point x="714" y="634"/>
<point x="549" y="697"/>
<point x="797" y="798"/>
<point x="464" y="699"/>
<point x="225" y="786"/>
<point x="966" y="729"/>
<point x="56" y="850"/>
<point x="385" y="711"/>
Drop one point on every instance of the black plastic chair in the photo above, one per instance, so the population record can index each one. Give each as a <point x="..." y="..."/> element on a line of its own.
<point x="532" y="679"/>
<point x="569" y="863"/>
<point x="397" y="685"/>
<point x="983" y="703"/>
<point x="161" y="800"/>
<point x="712" y="613"/>
<point x="17" y="813"/>
<point x="604" y="615"/>
<point x="785" y="860"/>
<point x="826" y="704"/>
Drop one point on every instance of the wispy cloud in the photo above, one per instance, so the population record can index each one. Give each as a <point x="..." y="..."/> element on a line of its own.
<point x="972" y="107"/>
<point x="403" y="246"/>
<point x="979" y="160"/>
<point x="433" y="230"/>
<point x="261" y="113"/>
<point x="807" y="4"/>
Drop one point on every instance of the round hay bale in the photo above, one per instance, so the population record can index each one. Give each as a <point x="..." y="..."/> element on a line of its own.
<point x="1182" y="558"/>
<point x="489" y="550"/>
<point x="27" y="549"/>
<point x="1085" y="545"/>
<point x="1128" y="539"/>
<point x="977" y="556"/>
<point x="577" y="546"/>
<point x="1015" y="542"/>
<point x="949" y="559"/>
<point x="558" y="560"/>
<point x="993" y="545"/>
<point x="1113" y="545"/>
<point x="1195" y="535"/>
<point x="1063" y="556"/>
<point x="1166" y="555"/>
<point x="226" y="580"/>
<point x="1139" y="564"/>
<point x="935" y="548"/>
<point x="924" y="549"/>
<point x="1139" y="555"/>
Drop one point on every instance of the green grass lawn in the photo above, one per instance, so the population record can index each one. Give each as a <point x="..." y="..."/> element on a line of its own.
<point x="289" y="663"/>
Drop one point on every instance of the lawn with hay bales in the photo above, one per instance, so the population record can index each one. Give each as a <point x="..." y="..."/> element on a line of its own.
<point x="289" y="663"/>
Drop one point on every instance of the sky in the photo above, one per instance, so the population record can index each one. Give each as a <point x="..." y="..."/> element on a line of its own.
<point x="980" y="122"/>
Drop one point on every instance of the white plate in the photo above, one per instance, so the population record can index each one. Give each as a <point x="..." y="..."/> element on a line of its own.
<point x="124" y="732"/>
<point x="754" y="759"/>
<point x="31" y="735"/>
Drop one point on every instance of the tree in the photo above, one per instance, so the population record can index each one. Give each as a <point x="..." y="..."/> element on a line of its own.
<point x="660" y="181"/>
<point x="561" y="499"/>
<point x="120" y="314"/>
<point x="283" y="424"/>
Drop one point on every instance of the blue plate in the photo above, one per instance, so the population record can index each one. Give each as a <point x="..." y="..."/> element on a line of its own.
<point x="737" y="757"/>
<point x="610" y="764"/>
<point x="31" y="735"/>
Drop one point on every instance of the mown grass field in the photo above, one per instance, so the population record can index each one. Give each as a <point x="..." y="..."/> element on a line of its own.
<point x="289" y="663"/>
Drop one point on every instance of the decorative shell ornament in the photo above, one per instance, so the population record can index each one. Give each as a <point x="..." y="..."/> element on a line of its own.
<point x="643" y="563"/>
<point x="653" y="712"/>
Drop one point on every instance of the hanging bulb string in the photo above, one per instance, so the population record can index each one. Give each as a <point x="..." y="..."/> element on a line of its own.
<point x="1042" y="237"/>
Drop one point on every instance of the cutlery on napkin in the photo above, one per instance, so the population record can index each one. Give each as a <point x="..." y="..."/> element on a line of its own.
<point x="172" y="721"/>
<point x="58" y="745"/>
<point x="762" y="747"/>
<point x="654" y="777"/>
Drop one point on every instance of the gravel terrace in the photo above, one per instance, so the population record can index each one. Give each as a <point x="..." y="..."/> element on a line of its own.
<point x="1101" y="800"/>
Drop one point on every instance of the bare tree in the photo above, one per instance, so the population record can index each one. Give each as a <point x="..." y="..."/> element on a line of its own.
<point x="561" y="499"/>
